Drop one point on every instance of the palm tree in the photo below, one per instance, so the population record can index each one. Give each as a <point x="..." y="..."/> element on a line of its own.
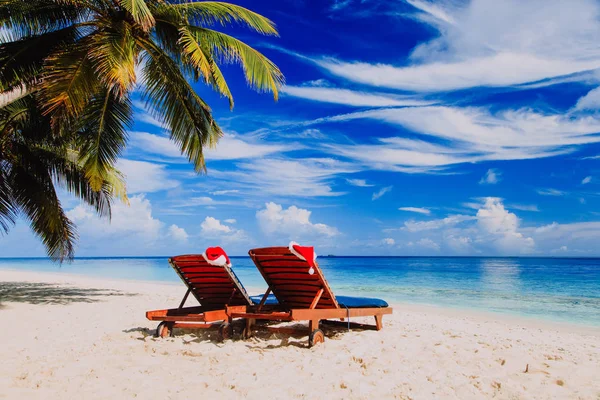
<point x="32" y="163"/>
<point x="71" y="66"/>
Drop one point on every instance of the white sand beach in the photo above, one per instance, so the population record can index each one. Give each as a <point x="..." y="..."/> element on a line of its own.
<point x="78" y="337"/>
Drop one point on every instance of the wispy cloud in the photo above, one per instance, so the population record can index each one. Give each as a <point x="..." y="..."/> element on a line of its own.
<point x="524" y="207"/>
<point x="551" y="192"/>
<point x="586" y="180"/>
<point x="359" y="182"/>
<point x="491" y="177"/>
<point x="230" y="147"/>
<point x="146" y="177"/>
<point x="474" y="50"/>
<point x="419" y="210"/>
<point x="381" y="192"/>
<point x="466" y="135"/>
<point x="353" y="98"/>
<point x="309" y="177"/>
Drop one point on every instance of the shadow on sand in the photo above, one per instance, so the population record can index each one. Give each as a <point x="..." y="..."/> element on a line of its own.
<point x="46" y="293"/>
<point x="262" y="339"/>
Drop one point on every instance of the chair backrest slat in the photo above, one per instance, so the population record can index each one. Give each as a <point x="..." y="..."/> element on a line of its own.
<point x="212" y="285"/>
<point x="289" y="279"/>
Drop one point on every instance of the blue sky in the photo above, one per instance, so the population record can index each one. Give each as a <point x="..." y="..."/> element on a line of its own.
<point x="406" y="127"/>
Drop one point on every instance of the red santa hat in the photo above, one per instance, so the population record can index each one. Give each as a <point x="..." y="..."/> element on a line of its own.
<point x="304" y="253"/>
<point x="216" y="256"/>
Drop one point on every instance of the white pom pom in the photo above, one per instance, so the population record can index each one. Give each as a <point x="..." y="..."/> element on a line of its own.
<point x="311" y="271"/>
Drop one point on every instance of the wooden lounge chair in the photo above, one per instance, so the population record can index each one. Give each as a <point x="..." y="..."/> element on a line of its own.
<point x="216" y="288"/>
<point x="303" y="296"/>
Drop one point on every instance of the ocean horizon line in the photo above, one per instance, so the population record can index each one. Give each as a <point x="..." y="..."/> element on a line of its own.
<point x="323" y="256"/>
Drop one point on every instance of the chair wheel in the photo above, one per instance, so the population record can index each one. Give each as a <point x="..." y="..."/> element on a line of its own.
<point x="315" y="337"/>
<point x="225" y="331"/>
<point x="164" y="329"/>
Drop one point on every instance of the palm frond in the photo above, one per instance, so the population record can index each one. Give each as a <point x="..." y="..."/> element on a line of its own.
<point x="8" y="212"/>
<point x="261" y="73"/>
<point x="69" y="80"/>
<point x="21" y="61"/>
<point x="35" y="195"/>
<point x="211" y="12"/>
<point x="103" y="136"/>
<point x="140" y="12"/>
<point x="113" y="54"/>
<point x="198" y="55"/>
<point x="34" y="17"/>
<point x="174" y="101"/>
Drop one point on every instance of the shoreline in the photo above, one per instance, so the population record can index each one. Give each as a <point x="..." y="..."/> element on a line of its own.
<point x="148" y="286"/>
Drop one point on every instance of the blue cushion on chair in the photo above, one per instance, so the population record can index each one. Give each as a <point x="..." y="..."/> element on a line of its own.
<point x="271" y="300"/>
<point x="343" y="301"/>
<point x="360" y="302"/>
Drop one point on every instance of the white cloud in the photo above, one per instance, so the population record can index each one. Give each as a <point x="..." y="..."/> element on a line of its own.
<point x="178" y="233"/>
<point x="359" y="182"/>
<point x="132" y="224"/>
<point x="586" y="180"/>
<point x="419" y="210"/>
<point x="229" y="147"/>
<point x="466" y="135"/>
<point x="155" y="144"/>
<point x="492" y="230"/>
<point x="292" y="222"/>
<point x="145" y="177"/>
<point x="224" y="192"/>
<point x="230" y="221"/>
<point x="550" y="192"/>
<point x="233" y="147"/>
<point x="212" y="228"/>
<point x="309" y="177"/>
<point x="389" y="241"/>
<point x="579" y="238"/>
<point x="503" y="228"/>
<point x="477" y="47"/>
<point x="452" y="220"/>
<point x="425" y="243"/>
<point x="491" y="177"/>
<point x="524" y="207"/>
<point x="351" y="97"/>
<point x="381" y="192"/>
<point x="591" y="101"/>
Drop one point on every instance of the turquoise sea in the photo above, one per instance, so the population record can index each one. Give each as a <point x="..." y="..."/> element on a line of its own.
<point x="559" y="289"/>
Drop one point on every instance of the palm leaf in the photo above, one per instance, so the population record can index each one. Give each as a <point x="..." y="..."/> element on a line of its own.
<point x="113" y="53"/>
<point x="140" y="12"/>
<point x="261" y="73"/>
<point x="199" y="57"/>
<point x="34" y="17"/>
<point x="8" y="212"/>
<point x="211" y="12"/>
<point x="173" y="100"/>
<point x="35" y="195"/>
<point x="103" y="136"/>
<point x="69" y="80"/>
<point x="21" y="61"/>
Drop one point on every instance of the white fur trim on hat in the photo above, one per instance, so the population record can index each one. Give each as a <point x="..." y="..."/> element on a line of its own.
<point x="221" y="261"/>
<point x="311" y="271"/>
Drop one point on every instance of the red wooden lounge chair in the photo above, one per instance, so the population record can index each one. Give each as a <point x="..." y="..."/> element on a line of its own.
<point x="216" y="288"/>
<point x="304" y="295"/>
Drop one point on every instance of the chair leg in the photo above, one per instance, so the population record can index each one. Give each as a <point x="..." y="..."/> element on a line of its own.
<point x="313" y="324"/>
<point x="247" y="333"/>
<point x="379" y="322"/>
